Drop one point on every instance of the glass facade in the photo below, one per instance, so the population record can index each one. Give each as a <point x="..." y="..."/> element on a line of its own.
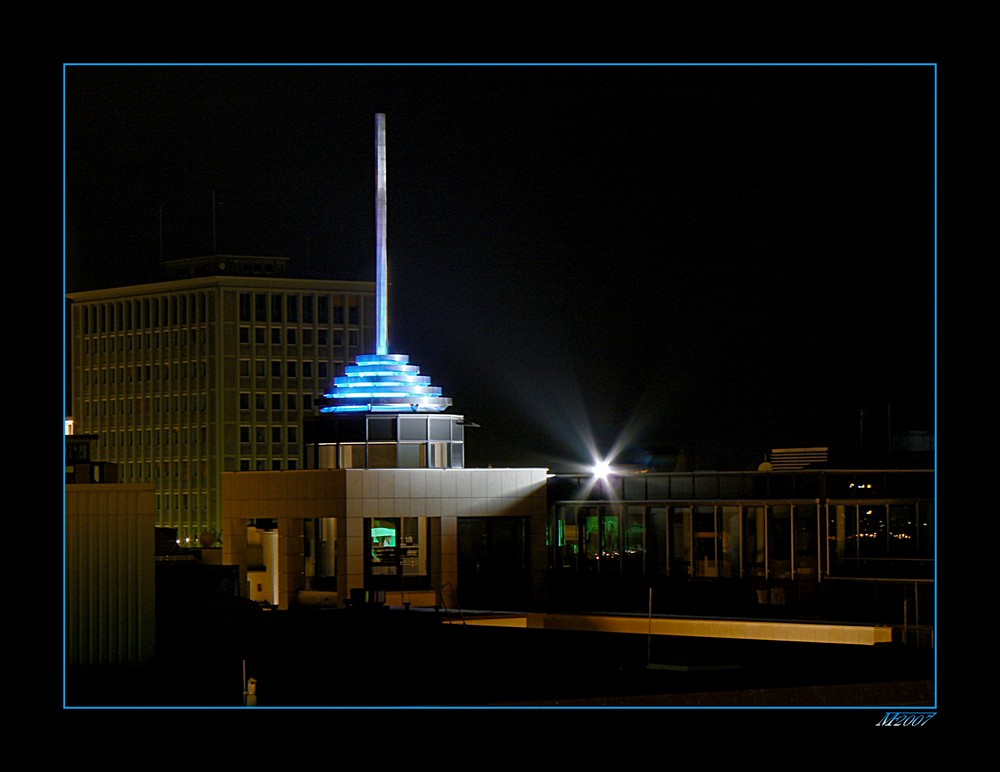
<point x="772" y="551"/>
<point x="397" y="441"/>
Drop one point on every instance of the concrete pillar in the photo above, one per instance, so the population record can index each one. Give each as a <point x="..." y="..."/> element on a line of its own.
<point x="291" y="560"/>
<point x="539" y="559"/>
<point x="234" y="547"/>
<point x="351" y="544"/>
<point x="449" y="556"/>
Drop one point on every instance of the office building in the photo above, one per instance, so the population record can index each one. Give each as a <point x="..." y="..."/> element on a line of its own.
<point x="211" y="371"/>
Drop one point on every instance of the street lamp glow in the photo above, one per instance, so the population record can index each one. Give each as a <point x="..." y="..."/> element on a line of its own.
<point x="601" y="470"/>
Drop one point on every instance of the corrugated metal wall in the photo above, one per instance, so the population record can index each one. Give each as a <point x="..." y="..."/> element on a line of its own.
<point x="109" y="600"/>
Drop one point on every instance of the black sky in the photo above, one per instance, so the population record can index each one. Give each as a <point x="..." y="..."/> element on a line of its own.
<point x="725" y="258"/>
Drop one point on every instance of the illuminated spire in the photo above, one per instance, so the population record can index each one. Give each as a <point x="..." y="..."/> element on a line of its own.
<point x="381" y="269"/>
<point x="382" y="381"/>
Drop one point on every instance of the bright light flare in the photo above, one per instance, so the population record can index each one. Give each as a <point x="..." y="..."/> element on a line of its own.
<point x="601" y="470"/>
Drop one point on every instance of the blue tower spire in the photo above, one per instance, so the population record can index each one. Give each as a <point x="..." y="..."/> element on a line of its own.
<point x="382" y="381"/>
<point x="381" y="267"/>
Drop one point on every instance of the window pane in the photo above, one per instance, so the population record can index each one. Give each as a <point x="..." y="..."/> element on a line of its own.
<point x="680" y="541"/>
<point x="779" y="541"/>
<point x="806" y="542"/>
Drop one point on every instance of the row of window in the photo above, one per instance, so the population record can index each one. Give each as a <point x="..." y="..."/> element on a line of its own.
<point x="279" y="307"/>
<point x="198" y="308"/>
<point x="149" y="341"/>
<point x="154" y="437"/>
<point x="262" y="465"/>
<point x="259" y="433"/>
<point x="289" y="368"/>
<point x="179" y="371"/>
<point x="193" y="308"/>
<point x="388" y="455"/>
<point x="260" y="401"/>
<point x="710" y="485"/>
<point x="193" y="503"/>
<point x="778" y="540"/>
<point x="278" y="336"/>
<point x="290" y="336"/>
<point x="165" y="470"/>
<point x="198" y="403"/>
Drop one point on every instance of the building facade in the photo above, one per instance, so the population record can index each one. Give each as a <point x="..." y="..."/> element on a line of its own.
<point x="109" y="575"/>
<point x="211" y="372"/>
<point x="811" y="543"/>
<point x="422" y="537"/>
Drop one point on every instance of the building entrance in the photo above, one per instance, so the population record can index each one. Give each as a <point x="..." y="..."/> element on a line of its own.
<point x="398" y="554"/>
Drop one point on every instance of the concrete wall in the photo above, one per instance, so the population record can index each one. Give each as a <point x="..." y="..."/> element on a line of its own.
<point x="110" y="600"/>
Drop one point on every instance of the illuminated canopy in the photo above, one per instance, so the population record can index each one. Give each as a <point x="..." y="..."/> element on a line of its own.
<point x="384" y="382"/>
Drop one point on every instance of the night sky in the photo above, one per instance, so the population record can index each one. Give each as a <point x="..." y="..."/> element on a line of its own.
<point x="714" y="260"/>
